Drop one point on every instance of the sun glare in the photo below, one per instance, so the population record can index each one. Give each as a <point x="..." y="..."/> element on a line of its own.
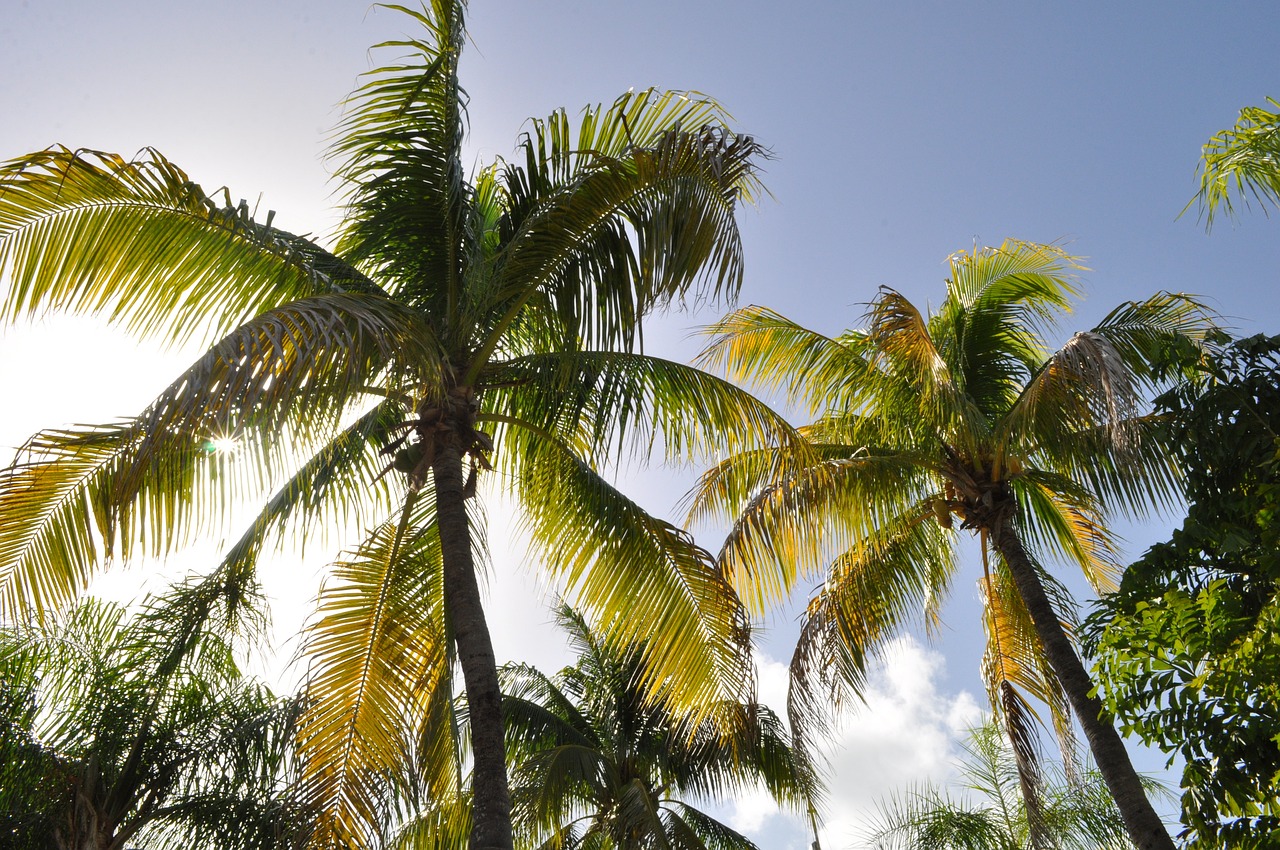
<point x="221" y="445"/>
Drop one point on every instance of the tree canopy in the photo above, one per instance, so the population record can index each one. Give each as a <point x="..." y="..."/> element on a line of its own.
<point x="928" y="425"/>
<point x="462" y="324"/>
<point x="1188" y="649"/>
<point x="140" y="730"/>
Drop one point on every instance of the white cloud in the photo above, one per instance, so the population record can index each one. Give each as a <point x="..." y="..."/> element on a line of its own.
<point x="906" y="733"/>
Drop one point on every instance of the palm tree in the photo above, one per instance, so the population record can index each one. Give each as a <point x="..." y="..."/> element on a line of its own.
<point x="1078" y="812"/>
<point x="139" y="731"/>
<point x="457" y="325"/>
<point x="596" y="763"/>
<point x="960" y="420"/>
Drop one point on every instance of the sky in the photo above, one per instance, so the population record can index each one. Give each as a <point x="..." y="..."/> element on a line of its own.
<point x="900" y="133"/>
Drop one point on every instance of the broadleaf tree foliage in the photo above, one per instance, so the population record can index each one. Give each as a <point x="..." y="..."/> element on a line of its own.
<point x="461" y="323"/>
<point x="964" y="419"/>
<point x="1188" y="650"/>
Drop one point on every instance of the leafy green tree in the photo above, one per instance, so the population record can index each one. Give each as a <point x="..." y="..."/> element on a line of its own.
<point x="1188" y="649"/>
<point x="139" y="731"/>
<point x="1078" y="812"/>
<point x="597" y="763"/>
<point x="457" y="325"/>
<point x="961" y="420"/>
<point x="1244" y="161"/>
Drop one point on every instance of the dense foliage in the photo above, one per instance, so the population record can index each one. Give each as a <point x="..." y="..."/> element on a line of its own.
<point x="462" y="322"/>
<point x="1189" y="648"/>
<point x="139" y="730"/>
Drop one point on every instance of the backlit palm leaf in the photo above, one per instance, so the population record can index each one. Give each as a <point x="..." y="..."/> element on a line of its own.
<point x="378" y="659"/>
<point x="140" y="243"/>
<point x="639" y="576"/>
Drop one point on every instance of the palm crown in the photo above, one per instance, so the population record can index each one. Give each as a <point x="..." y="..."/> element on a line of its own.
<point x="962" y="419"/>
<point x="460" y="324"/>
<point x="599" y="764"/>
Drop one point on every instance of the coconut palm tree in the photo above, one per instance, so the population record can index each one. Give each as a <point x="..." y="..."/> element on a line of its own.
<point x="597" y="763"/>
<point x="1078" y="812"/>
<point x="139" y="731"/>
<point x="928" y="425"/>
<point x="459" y="324"/>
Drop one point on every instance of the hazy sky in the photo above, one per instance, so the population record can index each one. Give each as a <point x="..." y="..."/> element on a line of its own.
<point x="901" y="133"/>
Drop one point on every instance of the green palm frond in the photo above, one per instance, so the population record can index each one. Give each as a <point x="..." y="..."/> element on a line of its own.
<point x="1148" y="334"/>
<point x="999" y="303"/>
<point x="378" y="660"/>
<point x="446" y="825"/>
<point x="596" y="761"/>
<point x="638" y="575"/>
<point x="1065" y="520"/>
<point x="912" y="383"/>
<point x="628" y="232"/>
<point x="755" y="344"/>
<point x="140" y="243"/>
<point x="603" y="402"/>
<point x="400" y="147"/>
<point x="1243" y="161"/>
<point x="1077" y="814"/>
<point x="688" y="828"/>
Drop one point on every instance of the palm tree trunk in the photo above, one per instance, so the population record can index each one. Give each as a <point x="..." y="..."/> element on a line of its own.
<point x="1140" y="819"/>
<point x="491" y="799"/>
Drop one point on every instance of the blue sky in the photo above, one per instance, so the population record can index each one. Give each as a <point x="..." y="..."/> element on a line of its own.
<point x="901" y="132"/>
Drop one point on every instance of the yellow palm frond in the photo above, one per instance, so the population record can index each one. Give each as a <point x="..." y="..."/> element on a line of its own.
<point x="142" y="244"/>
<point x="379" y="666"/>
<point x="801" y="520"/>
<point x="642" y="579"/>
<point x="755" y="344"/>
<point x="1014" y="666"/>
<point x="872" y="590"/>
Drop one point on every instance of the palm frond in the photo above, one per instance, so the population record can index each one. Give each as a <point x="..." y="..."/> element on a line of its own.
<point x="400" y="147"/>
<point x="1065" y="519"/>
<point x="331" y="488"/>
<point x="141" y="244"/>
<point x="640" y="577"/>
<point x="627" y="233"/>
<point x="604" y="402"/>
<point x="378" y="659"/>
<point x="755" y="344"/>
<point x="870" y="592"/>
<point x="1000" y="302"/>
<point x="1148" y="334"/>
<point x="688" y="828"/>
<point x="1243" y="161"/>
<point x="912" y="382"/>
<point x="809" y="515"/>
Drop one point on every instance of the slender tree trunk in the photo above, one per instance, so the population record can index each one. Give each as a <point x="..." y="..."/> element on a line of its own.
<point x="491" y="800"/>
<point x="1140" y="819"/>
